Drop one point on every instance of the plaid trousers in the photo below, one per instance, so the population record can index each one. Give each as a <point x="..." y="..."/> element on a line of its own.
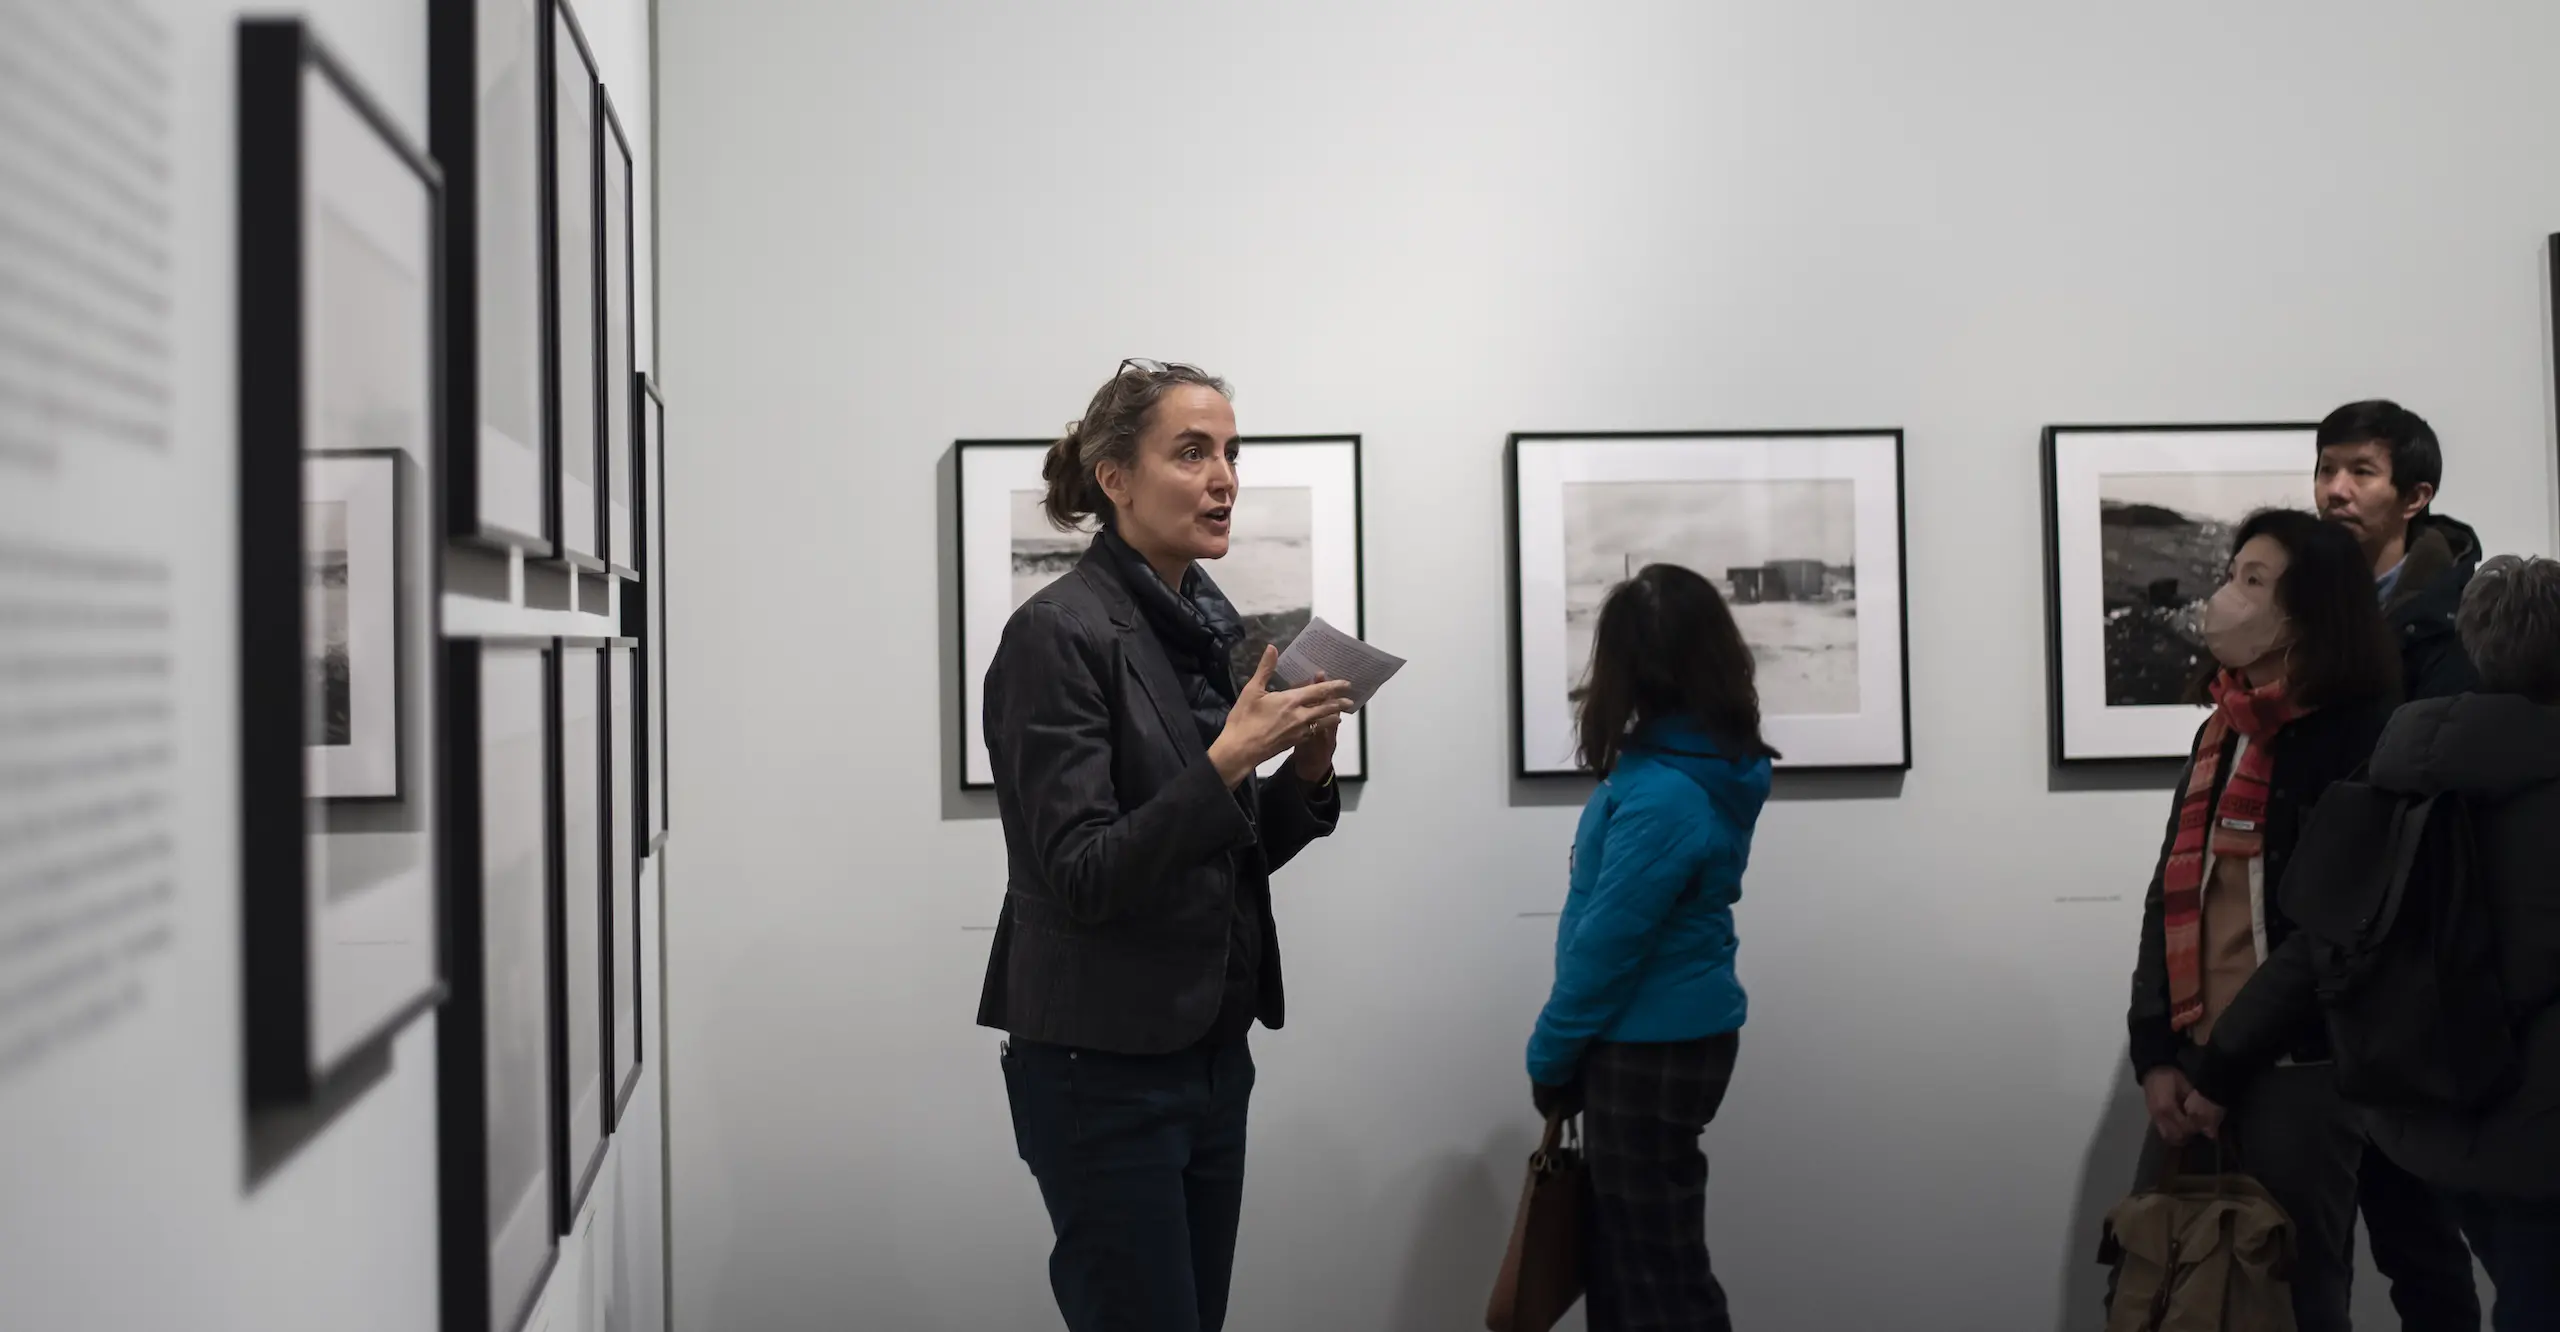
<point x="1645" y="1266"/>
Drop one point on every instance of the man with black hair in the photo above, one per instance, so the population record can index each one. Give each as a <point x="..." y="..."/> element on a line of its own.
<point x="2380" y="467"/>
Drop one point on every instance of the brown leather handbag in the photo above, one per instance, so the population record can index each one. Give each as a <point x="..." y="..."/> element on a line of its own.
<point x="1541" y="1274"/>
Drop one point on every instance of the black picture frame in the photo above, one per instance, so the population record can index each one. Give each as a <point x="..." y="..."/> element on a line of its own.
<point x="644" y="612"/>
<point x="386" y="464"/>
<point x="618" y="346"/>
<point x="482" y="1019"/>
<point x="311" y="1016"/>
<point x="582" y="1025"/>
<point x="655" y="662"/>
<point x="575" y="419"/>
<point x="2169" y="738"/>
<point x="1522" y="766"/>
<point x="1356" y="773"/>
<point x="495" y="495"/>
<point x="624" y="1003"/>
<point x="2552" y="280"/>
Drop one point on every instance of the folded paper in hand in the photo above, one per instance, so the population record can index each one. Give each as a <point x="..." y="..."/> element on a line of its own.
<point x="1321" y="649"/>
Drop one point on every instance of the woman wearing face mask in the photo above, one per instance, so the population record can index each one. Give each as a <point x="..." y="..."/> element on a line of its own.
<point x="1136" y="946"/>
<point x="2305" y="676"/>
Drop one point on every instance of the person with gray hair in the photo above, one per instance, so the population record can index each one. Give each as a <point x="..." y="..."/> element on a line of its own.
<point x="2499" y="749"/>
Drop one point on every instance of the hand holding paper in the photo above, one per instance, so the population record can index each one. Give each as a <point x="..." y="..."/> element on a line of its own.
<point x="1322" y="650"/>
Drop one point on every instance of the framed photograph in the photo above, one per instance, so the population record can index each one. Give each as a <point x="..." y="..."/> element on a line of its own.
<point x="1800" y="530"/>
<point x="644" y="616"/>
<point x="2138" y="527"/>
<point x="653" y="416"/>
<point x="572" y="209"/>
<point x="622" y="872"/>
<point x="621" y="452"/>
<point x="341" y="392"/>
<point x="485" y="123"/>
<point x="578" y="914"/>
<point x="1294" y="555"/>
<point x="499" y="1166"/>
<point x="351" y="623"/>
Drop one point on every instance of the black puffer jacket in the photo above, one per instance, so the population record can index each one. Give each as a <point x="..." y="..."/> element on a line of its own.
<point x="2327" y="746"/>
<point x="2443" y="554"/>
<point x="2503" y="753"/>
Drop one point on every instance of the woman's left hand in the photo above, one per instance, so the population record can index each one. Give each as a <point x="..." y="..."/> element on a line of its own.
<point x="2206" y="1115"/>
<point x="1313" y="757"/>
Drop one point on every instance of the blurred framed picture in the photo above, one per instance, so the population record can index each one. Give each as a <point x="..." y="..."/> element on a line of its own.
<point x="499" y="1159"/>
<point x="2138" y="528"/>
<point x="585" y="1110"/>
<point x="1294" y="555"/>
<point x="1800" y="530"/>
<point x="485" y="122"/>
<point x="613" y="271"/>
<point x="572" y="210"/>
<point x="340" y="238"/>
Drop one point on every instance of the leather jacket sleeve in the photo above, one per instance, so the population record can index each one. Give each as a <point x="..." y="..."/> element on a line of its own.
<point x="1294" y="814"/>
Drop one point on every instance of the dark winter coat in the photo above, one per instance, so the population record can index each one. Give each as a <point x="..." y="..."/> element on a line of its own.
<point x="2502" y="752"/>
<point x="2443" y="554"/>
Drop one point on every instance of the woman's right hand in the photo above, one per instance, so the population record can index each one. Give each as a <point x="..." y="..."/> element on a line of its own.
<point x="1267" y="722"/>
<point x="2164" y="1094"/>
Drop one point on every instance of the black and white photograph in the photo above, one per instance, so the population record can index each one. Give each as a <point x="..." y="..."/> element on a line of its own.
<point x="1784" y="553"/>
<point x="580" y="763"/>
<point x="1787" y="527"/>
<point x="576" y="309"/>
<point x="351" y="617"/>
<point x="2140" y="520"/>
<point x="495" y="1119"/>
<point x="621" y="541"/>
<point x="622" y="876"/>
<point x="340" y="369"/>
<point x="1293" y="556"/>
<point x="485" y="117"/>
<point x="1268" y="573"/>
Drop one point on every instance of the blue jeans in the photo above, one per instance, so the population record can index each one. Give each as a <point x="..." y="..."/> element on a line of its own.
<point x="2519" y="1242"/>
<point x="1140" y="1159"/>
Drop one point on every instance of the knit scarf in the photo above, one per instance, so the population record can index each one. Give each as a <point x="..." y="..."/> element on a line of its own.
<point x="2234" y="830"/>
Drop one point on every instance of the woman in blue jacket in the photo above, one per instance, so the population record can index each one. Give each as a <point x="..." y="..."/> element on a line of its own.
<point x="1640" y="1032"/>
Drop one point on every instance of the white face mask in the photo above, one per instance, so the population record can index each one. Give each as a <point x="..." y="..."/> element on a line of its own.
<point x="2242" y="626"/>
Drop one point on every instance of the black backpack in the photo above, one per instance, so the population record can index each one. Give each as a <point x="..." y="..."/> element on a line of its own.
<point x="2387" y="887"/>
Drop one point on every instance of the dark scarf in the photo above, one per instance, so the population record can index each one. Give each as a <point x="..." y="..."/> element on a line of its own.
<point x="1199" y="628"/>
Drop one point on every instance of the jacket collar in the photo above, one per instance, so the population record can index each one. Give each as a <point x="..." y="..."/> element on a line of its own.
<point x="1101" y="571"/>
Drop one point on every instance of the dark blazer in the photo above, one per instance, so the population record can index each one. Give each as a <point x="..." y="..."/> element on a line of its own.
<point x="1124" y="852"/>
<point x="2327" y="746"/>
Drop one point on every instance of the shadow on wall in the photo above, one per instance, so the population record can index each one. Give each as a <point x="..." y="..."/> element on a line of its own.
<point x="1461" y="1228"/>
<point x="2106" y="1176"/>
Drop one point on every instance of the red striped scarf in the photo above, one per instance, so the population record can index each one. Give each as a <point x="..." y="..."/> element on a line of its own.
<point x="2236" y="830"/>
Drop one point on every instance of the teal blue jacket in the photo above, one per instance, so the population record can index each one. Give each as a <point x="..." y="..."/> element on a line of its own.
<point x="1645" y="949"/>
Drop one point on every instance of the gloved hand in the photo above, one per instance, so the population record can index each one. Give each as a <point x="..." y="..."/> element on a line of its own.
<point x="1557" y="1101"/>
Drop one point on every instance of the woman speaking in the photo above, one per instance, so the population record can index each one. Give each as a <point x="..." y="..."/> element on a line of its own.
<point x="1136" y="947"/>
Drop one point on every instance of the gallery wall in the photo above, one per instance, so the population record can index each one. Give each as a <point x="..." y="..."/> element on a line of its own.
<point x="890" y="228"/>
<point x="134" y="1193"/>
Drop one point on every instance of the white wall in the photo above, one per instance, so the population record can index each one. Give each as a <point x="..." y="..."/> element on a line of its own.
<point x="888" y="227"/>
<point x="125" y="1200"/>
